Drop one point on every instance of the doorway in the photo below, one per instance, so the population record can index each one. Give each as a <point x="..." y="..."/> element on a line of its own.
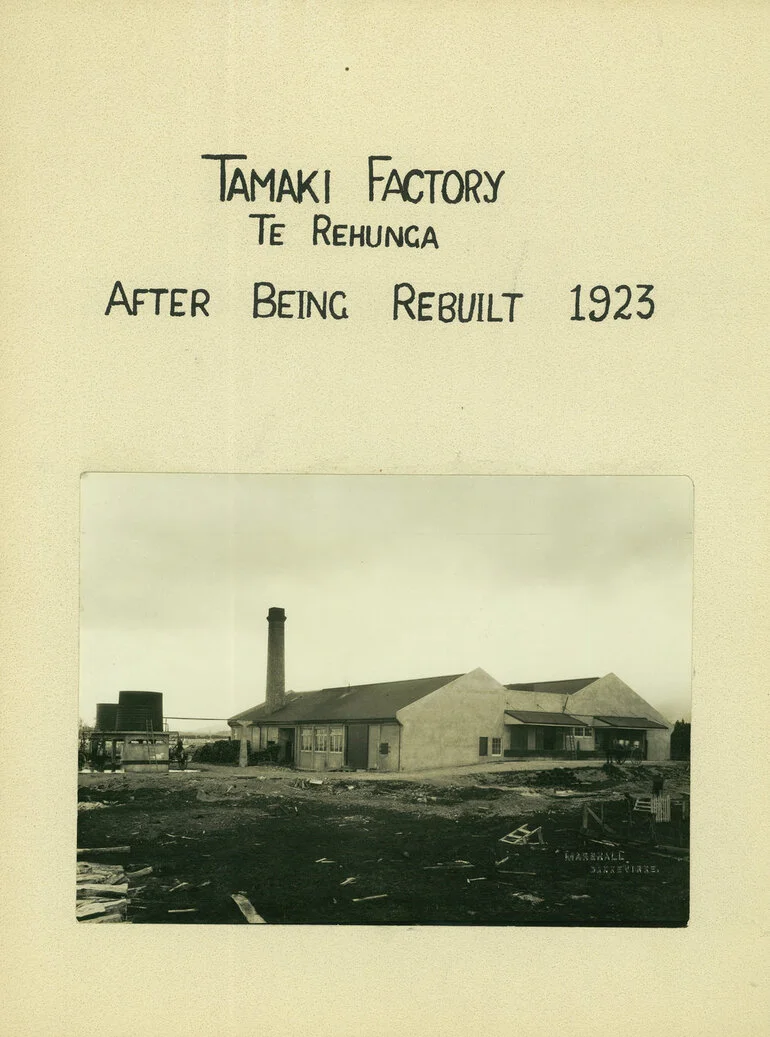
<point x="286" y="744"/>
<point x="357" y="756"/>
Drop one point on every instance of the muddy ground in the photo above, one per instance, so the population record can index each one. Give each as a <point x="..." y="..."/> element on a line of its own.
<point x="431" y="846"/>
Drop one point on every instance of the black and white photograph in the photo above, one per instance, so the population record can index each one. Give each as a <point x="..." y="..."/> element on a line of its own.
<point x="384" y="700"/>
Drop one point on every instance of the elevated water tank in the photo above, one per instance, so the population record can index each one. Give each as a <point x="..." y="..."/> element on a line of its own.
<point x="106" y="716"/>
<point x="140" y="711"/>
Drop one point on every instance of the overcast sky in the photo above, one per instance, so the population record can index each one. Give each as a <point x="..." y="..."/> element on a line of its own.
<point x="382" y="578"/>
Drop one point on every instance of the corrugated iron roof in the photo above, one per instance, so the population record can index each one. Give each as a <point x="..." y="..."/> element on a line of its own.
<point x="356" y="702"/>
<point x="632" y="722"/>
<point x="537" y="716"/>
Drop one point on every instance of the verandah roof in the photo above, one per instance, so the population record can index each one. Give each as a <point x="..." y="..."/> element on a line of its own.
<point x="537" y="716"/>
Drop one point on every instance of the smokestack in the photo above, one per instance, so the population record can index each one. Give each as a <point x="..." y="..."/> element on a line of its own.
<point x="276" y="678"/>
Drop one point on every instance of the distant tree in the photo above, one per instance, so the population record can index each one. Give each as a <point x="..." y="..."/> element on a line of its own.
<point x="680" y="740"/>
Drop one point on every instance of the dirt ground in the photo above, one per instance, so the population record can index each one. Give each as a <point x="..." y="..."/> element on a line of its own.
<point x="426" y="847"/>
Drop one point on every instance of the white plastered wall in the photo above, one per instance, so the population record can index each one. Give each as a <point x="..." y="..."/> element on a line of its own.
<point x="443" y="728"/>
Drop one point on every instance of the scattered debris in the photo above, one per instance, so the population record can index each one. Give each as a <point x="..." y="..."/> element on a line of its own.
<point x="138" y="874"/>
<point x="103" y="873"/>
<point x="657" y="805"/>
<point x="676" y="854"/>
<point x="377" y="896"/>
<point x="580" y="896"/>
<point x="91" y="806"/>
<point x="180" y="885"/>
<point x="101" y="893"/>
<point x="504" y="871"/>
<point x="591" y="815"/>
<point x="529" y="897"/>
<point x="481" y="878"/>
<point x="101" y="890"/>
<point x="181" y="910"/>
<point x="325" y="860"/>
<point x="522" y="835"/>
<point x="102" y="911"/>
<point x="246" y="908"/>
<point x="103" y="849"/>
<point x="503" y="860"/>
<point x="349" y="881"/>
<point x="315" y="781"/>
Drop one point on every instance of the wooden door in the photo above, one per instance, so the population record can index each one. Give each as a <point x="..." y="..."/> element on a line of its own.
<point x="357" y="745"/>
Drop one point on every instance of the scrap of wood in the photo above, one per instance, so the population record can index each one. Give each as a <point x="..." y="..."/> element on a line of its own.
<point x="347" y="882"/>
<point x="325" y="860"/>
<point x="530" y="898"/>
<point x="673" y="857"/>
<point x="138" y="874"/>
<point x="522" y="835"/>
<point x="502" y="860"/>
<point x="94" y="889"/>
<point x="181" y="910"/>
<point x="107" y="876"/>
<point x="112" y="917"/>
<point x="93" y="908"/>
<point x="180" y="885"/>
<point x="377" y="896"/>
<point x="504" y="871"/>
<point x="247" y="909"/>
<point x="103" y="849"/>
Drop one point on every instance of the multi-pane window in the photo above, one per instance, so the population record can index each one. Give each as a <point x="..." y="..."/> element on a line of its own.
<point x="306" y="740"/>
<point x="581" y="732"/>
<point x="321" y="739"/>
<point x="335" y="740"/>
<point x="497" y="746"/>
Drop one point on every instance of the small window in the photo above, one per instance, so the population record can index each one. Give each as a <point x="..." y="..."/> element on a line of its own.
<point x="321" y="739"/>
<point x="306" y="743"/>
<point x="483" y="746"/>
<point x="497" y="746"/>
<point x="384" y="748"/>
<point x="335" y="740"/>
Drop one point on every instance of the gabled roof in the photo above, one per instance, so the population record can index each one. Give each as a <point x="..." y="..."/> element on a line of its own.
<point x="356" y="702"/>
<point x="539" y="716"/>
<point x="565" y="687"/>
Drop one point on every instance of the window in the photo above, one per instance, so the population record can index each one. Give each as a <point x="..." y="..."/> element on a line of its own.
<point x="384" y="748"/>
<point x="483" y="746"/>
<point x="581" y="732"/>
<point x="497" y="746"/>
<point x="306" y="740"/>
<point x="335" y="740"/>
<point x="321" y="739"/>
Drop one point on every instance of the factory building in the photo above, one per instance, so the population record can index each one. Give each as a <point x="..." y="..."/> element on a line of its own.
<point x="447" y="721"/>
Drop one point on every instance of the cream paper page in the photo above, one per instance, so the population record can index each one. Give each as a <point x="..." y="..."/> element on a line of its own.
<point x="632" y="143"/>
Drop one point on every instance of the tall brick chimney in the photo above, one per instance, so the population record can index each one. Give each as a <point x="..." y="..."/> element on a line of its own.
<point x="276" y="678"/>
